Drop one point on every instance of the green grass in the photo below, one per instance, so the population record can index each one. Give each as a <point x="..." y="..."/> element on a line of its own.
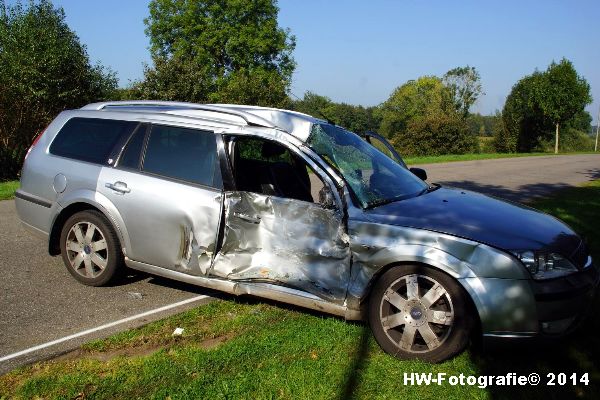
<point x="8" y="189"/>
<point x="476" y="156"/>
<point x="251" y="349"/>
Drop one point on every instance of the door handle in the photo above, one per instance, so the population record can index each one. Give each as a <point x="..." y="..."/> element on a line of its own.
<point x="118" y="186"/>
<point x="247" y="218"/>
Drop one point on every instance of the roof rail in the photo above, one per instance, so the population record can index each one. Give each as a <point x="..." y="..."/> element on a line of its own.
<point x="250" y="119"/>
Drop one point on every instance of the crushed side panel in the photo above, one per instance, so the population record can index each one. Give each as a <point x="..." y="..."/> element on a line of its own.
<point x="295" y="243"/>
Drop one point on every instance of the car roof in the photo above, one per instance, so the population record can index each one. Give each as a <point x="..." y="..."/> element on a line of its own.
<point x="292" y="122"/>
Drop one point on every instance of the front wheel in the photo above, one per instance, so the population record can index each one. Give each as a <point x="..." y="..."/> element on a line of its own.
<point x="90" y="248"/>
<point x="419" y="312"/>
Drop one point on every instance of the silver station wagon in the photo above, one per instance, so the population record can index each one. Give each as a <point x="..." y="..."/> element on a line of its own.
<point x="284" y="206"/>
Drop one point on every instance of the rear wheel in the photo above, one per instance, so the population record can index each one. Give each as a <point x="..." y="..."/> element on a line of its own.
<point x="419" y="312"/>
<point x="90" y="248"/>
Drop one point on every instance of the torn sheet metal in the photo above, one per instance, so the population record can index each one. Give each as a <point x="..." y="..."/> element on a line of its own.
<point x="289" y="242"/>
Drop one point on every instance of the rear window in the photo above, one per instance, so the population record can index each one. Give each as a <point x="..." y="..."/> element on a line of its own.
<point x="90" y="139"/>
<point x="184" y="154"/>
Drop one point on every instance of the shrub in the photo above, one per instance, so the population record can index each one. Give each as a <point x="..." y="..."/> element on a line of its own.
<point x="436" y="134"/>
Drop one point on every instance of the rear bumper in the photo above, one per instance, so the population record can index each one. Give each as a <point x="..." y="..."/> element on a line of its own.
<point x="35" y="231"/>
<point x="34" y="212"/>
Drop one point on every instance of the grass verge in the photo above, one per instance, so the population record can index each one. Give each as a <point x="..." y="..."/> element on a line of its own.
<point x="8" y="189"/>
<point x="250" y="349"/>
<point x="471" y="157"/>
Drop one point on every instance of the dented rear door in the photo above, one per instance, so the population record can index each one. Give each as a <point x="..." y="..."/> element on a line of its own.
<point x="171" y="215"/>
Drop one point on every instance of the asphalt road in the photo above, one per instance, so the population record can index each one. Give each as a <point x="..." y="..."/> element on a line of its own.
<point x="41" y="302"/>
<point x="517" y="179"/>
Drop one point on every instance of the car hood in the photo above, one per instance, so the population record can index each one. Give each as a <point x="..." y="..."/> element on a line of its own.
<point x="481" y="218"/>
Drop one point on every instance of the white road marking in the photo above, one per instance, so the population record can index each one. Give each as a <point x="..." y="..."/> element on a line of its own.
<point x="101" y="327"/>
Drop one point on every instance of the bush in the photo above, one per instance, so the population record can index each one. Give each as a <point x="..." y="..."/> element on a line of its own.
<point x="436" y="134"/>
<point x="570" y="140"/>
<point x="486" y="144"/>
<point x="44" y="69"/>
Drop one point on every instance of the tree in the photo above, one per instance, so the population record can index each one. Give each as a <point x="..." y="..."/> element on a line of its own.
<point x="44" y="69"/>
<point x="313" y="104"/>
<point x="464" y="84"/>
<point x="218" y="51"/>
<point x="523" y="125"/>
<point x="413" y="100"/>
<point x="560" y="94"/>
<point x="539" y="103"/>
<point x="357" y="119"/>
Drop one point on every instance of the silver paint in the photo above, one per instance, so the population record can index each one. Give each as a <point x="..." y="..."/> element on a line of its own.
<point x="294" y="243"/>
<point x="297" y="252"/>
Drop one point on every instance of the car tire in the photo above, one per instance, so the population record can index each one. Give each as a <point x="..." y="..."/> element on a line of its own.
<point x="418" y="312"/>
<point x="90" y="248"/>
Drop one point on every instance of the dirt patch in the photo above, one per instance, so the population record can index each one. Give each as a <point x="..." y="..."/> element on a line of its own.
<point x="140" y="351"/>
<point x="208" y="344"/>
<point x="109" y="355"/>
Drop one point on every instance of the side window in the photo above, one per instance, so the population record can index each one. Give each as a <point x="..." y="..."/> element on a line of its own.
<point x="90" y="139"/>
<point x="133" y="150"/>
<point x="266" y="167"/>
<point x="185" y="154"/>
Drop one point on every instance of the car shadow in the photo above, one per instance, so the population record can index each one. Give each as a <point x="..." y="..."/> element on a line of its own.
<point x="521" y="194"/>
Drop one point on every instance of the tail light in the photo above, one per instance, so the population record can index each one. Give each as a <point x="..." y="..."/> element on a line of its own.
<point x="35" y="140"/>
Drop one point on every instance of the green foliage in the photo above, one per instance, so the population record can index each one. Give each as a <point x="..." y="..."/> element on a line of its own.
<point x="217" y="51"/>
<point x="414" y="100"/>
<point x="571" y="140"/>
<point x="429" y="115"/>
<point x="464" y="84"/>
<point x="436" y="134"/>
<point x="357" y="119"/>
<point x="581" y="121"/>
<point x="481" y="125"/>
<point x="561" y="93"/>
<point x="8" y="189"/>
<point x="523" y="123"/>
<point x="538" y="103"/>
<point x="44" y="69"/>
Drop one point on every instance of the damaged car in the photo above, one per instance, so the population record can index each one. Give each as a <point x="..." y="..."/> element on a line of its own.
<point x="284" y="206"/>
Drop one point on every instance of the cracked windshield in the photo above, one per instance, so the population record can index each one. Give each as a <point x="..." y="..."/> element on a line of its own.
<point x="374" y="178"/>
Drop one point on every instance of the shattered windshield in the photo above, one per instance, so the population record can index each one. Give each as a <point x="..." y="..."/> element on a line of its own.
<point x="374" y="178"/>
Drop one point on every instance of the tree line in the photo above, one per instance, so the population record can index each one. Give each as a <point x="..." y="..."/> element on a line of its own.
<point x="234" y="51"/>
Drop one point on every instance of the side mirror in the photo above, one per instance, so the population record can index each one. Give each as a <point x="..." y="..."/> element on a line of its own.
<point x="420" y="173"/>
<point x="326" y="198"/>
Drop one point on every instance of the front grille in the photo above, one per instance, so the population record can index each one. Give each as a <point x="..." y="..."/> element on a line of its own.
<point x="580" y="256"/>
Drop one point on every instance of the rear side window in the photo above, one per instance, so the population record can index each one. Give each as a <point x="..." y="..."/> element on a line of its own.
<point x="90" y="139"/>
<point x="184" y="154"/>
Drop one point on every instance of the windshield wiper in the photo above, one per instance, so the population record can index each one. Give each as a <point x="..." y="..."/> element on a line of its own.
<point x="381" y="202"/>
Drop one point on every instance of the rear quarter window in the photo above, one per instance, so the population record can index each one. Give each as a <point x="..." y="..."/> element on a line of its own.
<point x="90" y="139"/>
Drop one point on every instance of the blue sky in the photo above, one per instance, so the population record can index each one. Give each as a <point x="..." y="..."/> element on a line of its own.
<point x="359" y="51"/>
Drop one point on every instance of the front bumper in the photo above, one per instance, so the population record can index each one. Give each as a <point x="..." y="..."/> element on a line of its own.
<point x="563" y="303"/>
<point x="524" y="308"/>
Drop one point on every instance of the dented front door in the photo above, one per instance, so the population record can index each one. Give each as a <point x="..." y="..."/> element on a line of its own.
<point x="288" y="242"/>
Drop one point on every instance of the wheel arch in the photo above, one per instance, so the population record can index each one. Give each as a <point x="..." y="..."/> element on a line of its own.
<point x="81" y="203"/>
<point x="474" y="310"/>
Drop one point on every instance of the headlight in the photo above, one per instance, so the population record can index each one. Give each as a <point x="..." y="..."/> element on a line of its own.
<point x="545" y="265"/>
